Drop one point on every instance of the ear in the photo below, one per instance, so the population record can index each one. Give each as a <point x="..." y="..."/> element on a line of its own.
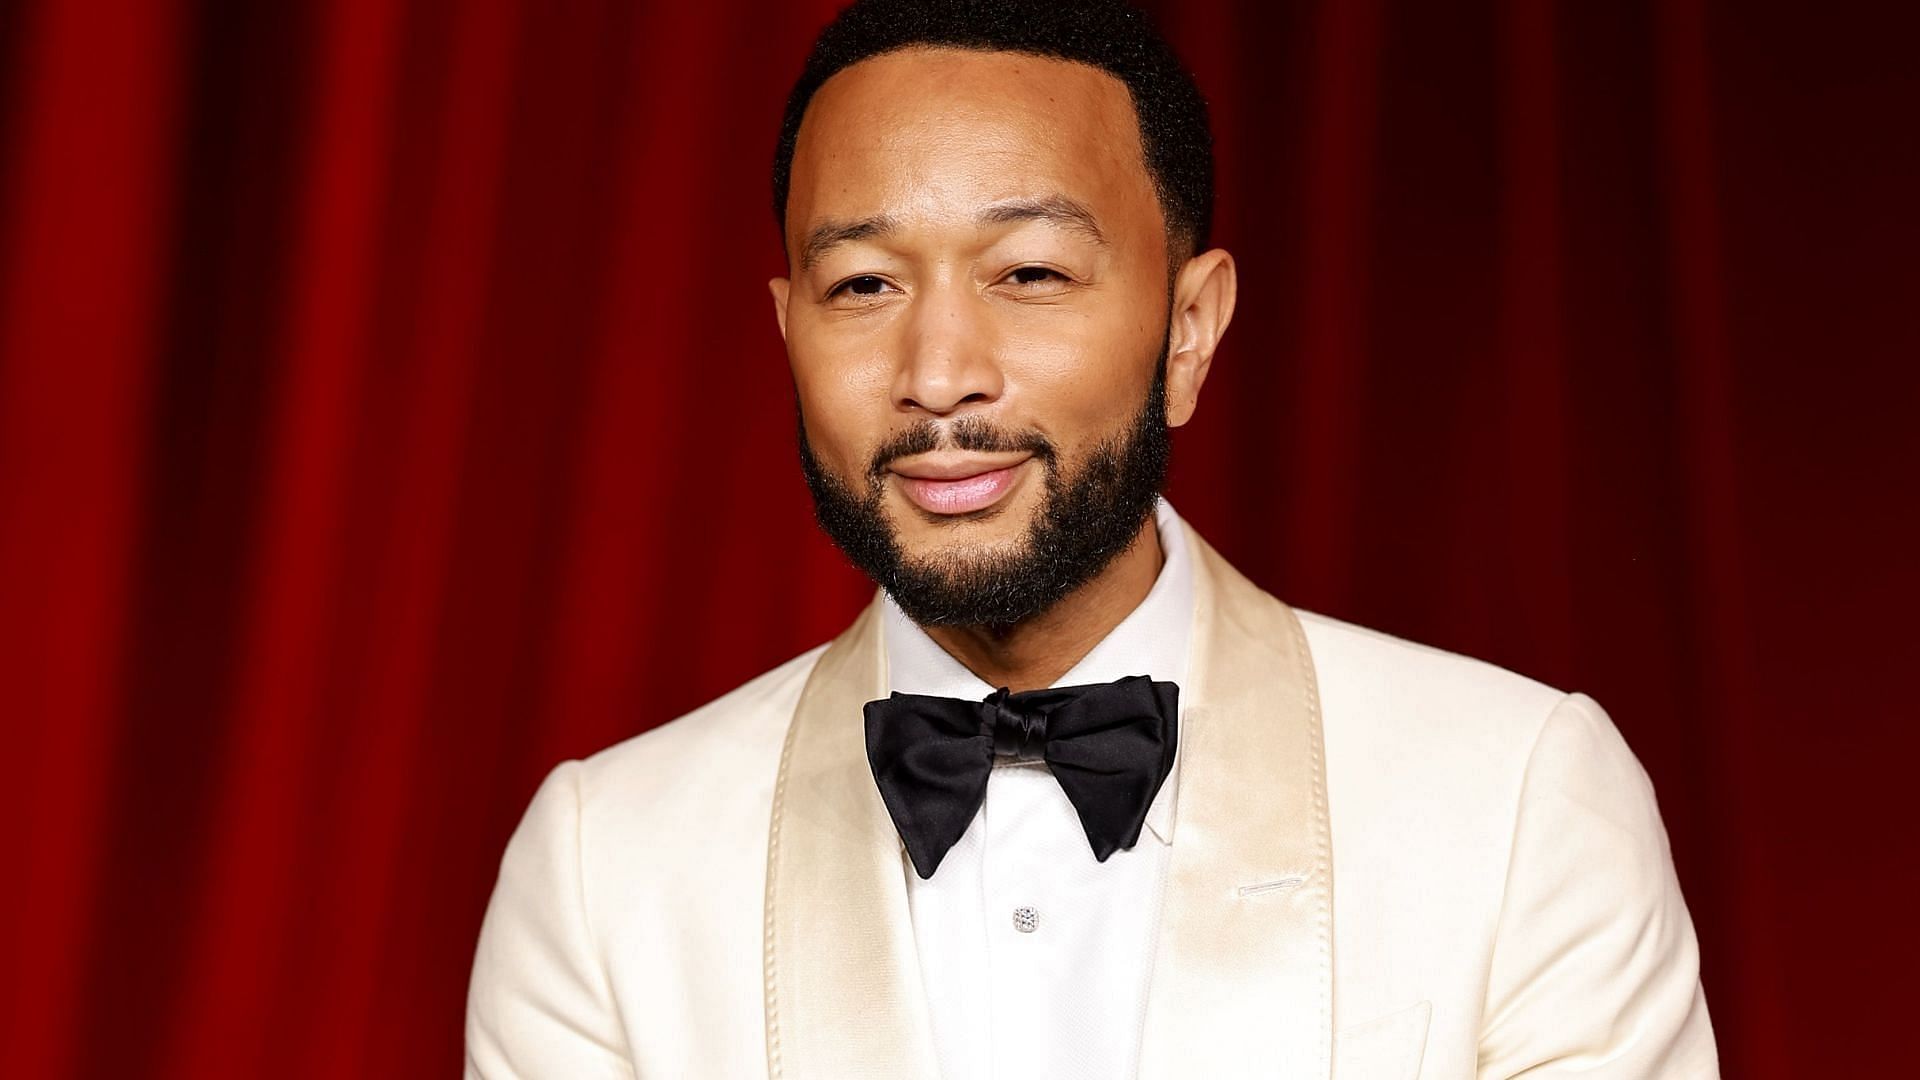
<point x="1203" y="296"/>
<point x="779" y="287"/>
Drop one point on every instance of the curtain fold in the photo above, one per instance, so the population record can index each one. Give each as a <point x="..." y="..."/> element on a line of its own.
<point x="91" y="120"/>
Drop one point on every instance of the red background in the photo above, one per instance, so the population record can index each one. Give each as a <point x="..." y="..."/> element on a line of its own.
<point x="391" y="406"/>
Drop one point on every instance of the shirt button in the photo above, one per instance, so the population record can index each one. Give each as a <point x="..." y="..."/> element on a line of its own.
<point x="1026" y="920"/>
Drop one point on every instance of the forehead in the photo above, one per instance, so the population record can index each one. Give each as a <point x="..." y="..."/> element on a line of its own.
<point x="929" y="132"/>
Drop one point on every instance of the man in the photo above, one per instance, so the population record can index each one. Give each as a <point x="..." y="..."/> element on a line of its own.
<point x="1241" y="841"/>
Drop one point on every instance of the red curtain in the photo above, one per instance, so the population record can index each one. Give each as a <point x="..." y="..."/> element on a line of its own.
<point x="391" y="406"/>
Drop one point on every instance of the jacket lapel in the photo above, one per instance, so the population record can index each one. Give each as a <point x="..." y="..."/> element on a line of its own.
<point x="843" y="993"/>
<point x="1243" y="977"/>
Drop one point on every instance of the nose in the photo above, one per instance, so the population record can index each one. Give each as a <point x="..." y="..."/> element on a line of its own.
<point x="947" y="359"/>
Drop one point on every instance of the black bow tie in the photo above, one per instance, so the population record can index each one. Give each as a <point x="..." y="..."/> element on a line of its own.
<point x="1110" y="745"/>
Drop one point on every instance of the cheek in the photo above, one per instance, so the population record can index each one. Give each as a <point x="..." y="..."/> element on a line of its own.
<point x="839" y="360"/>
<point x="1086" y="381"/>
<point x="843" y="401"/>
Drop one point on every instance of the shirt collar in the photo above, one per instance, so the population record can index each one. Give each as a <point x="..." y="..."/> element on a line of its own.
<point x="1152" y="640"/>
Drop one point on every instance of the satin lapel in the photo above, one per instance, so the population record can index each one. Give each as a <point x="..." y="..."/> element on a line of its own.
<point x="1243" y="976"/>
<point x="843" y="992"/>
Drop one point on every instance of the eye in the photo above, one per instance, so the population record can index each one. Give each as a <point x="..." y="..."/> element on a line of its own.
<point x="1035" y="275"/>
<point x="862" y="285"/>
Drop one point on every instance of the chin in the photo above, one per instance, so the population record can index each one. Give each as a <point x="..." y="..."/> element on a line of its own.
<point x="958" y="544"/>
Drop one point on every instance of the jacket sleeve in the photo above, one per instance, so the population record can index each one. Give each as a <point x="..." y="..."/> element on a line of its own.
<point x="540" y="1004"/>
<point x="1595" y="970"/>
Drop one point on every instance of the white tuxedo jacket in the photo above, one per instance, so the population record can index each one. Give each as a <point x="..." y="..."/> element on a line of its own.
<point x="1392" y="862"/>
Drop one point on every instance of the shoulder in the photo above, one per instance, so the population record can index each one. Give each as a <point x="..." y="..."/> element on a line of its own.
<point x="636" y="877"/>
<point x="1372" y="685"/>
<point x="680" y="807"/>
<point x="1514" y="815"/>
<point x="1393" y="665"/>
<point x="1388" y="687"/>
<point x="710" y="766"/>
<point x="731" y="739"/>
<point x="1435" y="706"/>
<point x="1429" y="746"/>
<point x="1456" y="751"/>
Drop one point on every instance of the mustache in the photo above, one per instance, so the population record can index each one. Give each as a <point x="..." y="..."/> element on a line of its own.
<point x="975" y="434"/>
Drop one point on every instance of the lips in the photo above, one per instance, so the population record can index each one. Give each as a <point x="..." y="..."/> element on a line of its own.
<point x="959" y="494"/>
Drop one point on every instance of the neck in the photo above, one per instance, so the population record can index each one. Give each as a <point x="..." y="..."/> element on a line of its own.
<point x="1034" y="654"/>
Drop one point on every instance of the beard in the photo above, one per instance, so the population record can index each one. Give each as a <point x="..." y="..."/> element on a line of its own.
<point x="1086" y="519"/>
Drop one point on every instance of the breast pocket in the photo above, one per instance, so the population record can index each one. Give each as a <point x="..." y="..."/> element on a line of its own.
<point x="1386" y="1048"/>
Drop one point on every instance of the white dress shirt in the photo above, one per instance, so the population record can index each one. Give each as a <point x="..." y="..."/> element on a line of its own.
<point x="1067" y="998"/>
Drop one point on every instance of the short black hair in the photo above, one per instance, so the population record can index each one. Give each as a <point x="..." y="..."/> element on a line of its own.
<point x="1105" y="34"/>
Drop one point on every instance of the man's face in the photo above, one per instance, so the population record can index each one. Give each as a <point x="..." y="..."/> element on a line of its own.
<point x="978" y="312"/>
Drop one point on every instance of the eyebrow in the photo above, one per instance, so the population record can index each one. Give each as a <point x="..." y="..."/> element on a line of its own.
<point x="831" y="234"/>
<point x="1060" y="210"/>
<point x="1057" y="210"/>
